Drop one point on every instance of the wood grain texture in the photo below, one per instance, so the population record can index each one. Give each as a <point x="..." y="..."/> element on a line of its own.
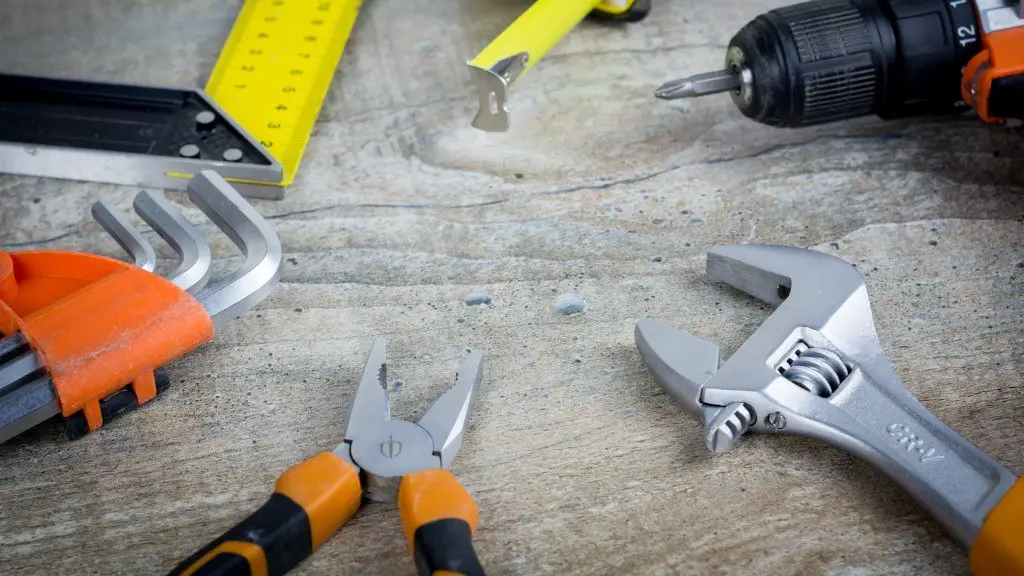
<point x="579" y="463"/>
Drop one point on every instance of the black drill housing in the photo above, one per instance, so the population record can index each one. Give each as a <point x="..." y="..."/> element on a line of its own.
<point x="829" y="60"/>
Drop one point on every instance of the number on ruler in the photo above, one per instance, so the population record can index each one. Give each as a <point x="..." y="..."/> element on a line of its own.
<point x="277" y="3"/>
<point x="248" y="68"/>
<point x="266" y="143"/>
<point x="273" y="125"/>
<point x="317" y="22"/>
<point x="310" y="38"/>
<point x="288" y="89"/>
<point x="255" y="51"/>
<point x="296" y="72"/>
<point x="263" y="35"/>
<point x="305" y="55"/>
<point x="239" y="86"/>
<point x="323" y="6"/>
<point x="280" y="107"/>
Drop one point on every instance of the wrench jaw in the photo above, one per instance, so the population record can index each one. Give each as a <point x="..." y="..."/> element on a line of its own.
<point x="771" y="273"/>
<point x="788" y="371"/>
<point x="739" y="266"/>
<point x="790" y="387"/>
<point x="680" y="362"/>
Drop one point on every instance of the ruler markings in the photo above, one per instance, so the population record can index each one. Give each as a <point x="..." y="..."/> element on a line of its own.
<point x="275" y="69"/>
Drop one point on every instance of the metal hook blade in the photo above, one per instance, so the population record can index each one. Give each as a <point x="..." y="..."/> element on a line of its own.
<point x="193" y="272"/>
<point x="447" y="419"/>
<point x="117" y="225"/>
<point x="258" y="275"/>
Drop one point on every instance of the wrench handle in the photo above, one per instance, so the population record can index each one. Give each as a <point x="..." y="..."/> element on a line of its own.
<point x="882" y="422"/>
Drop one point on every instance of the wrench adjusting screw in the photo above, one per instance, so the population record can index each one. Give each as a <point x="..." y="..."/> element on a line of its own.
<point x="727" y="426"/>
<point x="818" y="370"/>
<point x="776" y="421"/>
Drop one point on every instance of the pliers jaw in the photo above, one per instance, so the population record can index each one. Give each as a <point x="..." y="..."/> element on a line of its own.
<point x="385" y="450"/>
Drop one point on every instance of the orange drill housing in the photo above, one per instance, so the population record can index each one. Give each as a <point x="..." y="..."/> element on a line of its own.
<point x="1002" y="57"/>
<point x="98" y="324"/>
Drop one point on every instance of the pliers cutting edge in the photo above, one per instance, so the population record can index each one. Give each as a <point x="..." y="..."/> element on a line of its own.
<point x="381" y="459"/>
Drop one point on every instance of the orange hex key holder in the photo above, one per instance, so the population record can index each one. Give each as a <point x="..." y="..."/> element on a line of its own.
<point x="380" y="459"/>
<point x="86" y="335"/>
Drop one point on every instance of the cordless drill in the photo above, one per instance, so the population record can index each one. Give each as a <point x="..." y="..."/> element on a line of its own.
<point x="829" y="60"/>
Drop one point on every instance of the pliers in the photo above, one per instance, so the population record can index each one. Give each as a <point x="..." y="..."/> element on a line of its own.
<point x="380" y="459"/>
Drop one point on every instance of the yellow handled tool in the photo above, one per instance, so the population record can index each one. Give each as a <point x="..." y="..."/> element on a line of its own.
<point x="526" y="41"/>
<point x="380" y="459"/>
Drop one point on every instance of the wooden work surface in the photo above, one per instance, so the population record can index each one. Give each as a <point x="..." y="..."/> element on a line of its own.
<point x="578" y="461"/>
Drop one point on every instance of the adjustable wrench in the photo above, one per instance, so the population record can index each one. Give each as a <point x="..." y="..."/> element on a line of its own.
<point x="815" y="368"/>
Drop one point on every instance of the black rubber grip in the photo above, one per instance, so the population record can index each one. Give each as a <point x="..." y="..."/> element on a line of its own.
<point x="124" y="400"/>
<point x="226" y="563"/>
<point x="280" y="527"/>
<point x="1006" y="97"/>
<point x="446" y="545"/>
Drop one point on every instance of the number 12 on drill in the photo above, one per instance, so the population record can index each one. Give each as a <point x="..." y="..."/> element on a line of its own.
<point x="276" y="67"/>
<point x="968" y="33"/>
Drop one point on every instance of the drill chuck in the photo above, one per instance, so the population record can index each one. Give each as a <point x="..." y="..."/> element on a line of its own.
<point x="829" y="60"/>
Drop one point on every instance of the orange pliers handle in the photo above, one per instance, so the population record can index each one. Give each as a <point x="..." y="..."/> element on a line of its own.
<point x="314" y="499"/>
<point x="98" y="324"/>
<point x="310" y="503"/>
<point x="440" y="520"/>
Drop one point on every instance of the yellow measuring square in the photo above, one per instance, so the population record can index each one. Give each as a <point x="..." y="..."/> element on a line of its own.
<point x="276" y="67"/>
